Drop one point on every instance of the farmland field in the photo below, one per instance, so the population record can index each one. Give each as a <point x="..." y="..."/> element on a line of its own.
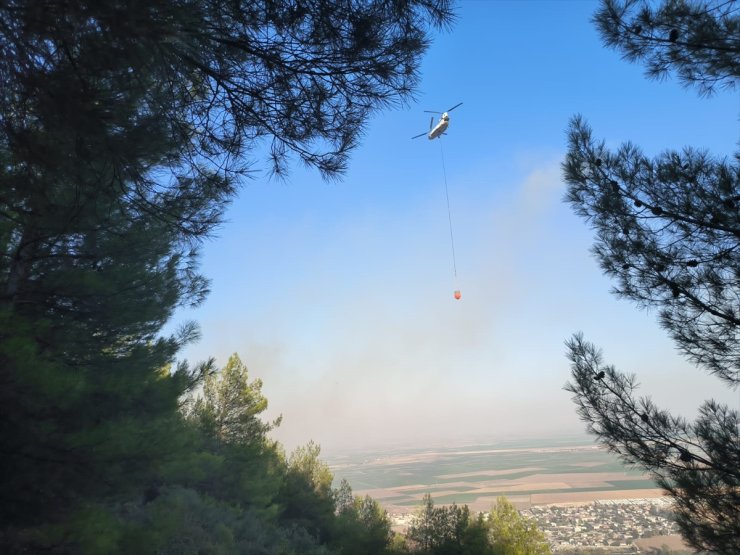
<point x="528" y="473"/>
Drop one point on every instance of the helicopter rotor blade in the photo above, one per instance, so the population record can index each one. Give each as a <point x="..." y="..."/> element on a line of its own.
<point x="432" y="112"/>
<point x="431" y="123"/>
<point x="455" y="106"/>
<point x="419" y="135"/>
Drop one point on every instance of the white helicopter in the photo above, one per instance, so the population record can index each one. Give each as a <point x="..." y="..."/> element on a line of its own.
<point x="438" y="130"/>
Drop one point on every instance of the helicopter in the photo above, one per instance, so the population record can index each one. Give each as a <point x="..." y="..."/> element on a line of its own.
<point x="438" y="130"/>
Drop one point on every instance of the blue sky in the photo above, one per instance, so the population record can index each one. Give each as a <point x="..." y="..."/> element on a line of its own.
<point x="339" y="295"/>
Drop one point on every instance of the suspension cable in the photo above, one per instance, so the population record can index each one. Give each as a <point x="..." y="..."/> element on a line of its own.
<point x="449" y="212"/>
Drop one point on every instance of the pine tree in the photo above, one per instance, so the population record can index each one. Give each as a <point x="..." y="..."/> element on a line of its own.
<point x="451" y="530"/>
<point x="306" y="496"/>
<point x="423" y="530"/>
<point x="668" y="231"/>
<point x="124" y="128"/>
<point x="230" y="406"/>
<point x="697" y="40"/>
<point x="512" y="534"/>
<point x="230" y="457"/>
<point x="362" y="526"/>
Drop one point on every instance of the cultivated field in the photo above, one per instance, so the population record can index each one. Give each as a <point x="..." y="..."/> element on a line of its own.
<point x="537" y="474"/>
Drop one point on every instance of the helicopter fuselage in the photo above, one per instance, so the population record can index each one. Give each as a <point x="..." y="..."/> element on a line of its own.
<point x="440" y="128"/>
<point x="436" y="131"/>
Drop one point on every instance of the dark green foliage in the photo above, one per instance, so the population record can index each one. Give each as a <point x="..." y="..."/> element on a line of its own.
<point x="683" y="260"/>
<point x="88" y="402"/>
<point x="696" y="39"/>
<point x="697" y="463"/>
<point x="668" y="232"/>
<point x="306" y="497"/>
<point x="476" y="538"/>
<point x="229" y="409"/>
<point x="185" y="521"/>
<point x="223" y="493"/>
<point x="512" y="534"/>
<point x="182" y="521"/>
<point x="438" y="529"/>
<point x="362" y="525"/>
<point x="422" y="531"/>
<point x="220" y="76"/>
<point x="124" y="127"/>
<point x="452" y="530"/>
